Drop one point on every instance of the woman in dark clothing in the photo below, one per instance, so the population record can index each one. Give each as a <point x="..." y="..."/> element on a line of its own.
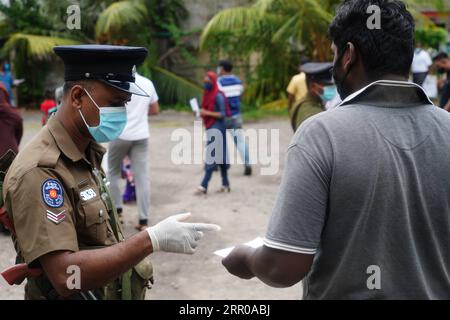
<point x="11" y="124"/>
<point x="214" y="110"/>
<point x="11" y="129"/>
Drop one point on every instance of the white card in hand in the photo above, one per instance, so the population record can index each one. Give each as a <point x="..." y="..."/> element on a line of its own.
<point x="194" y="104"/>
<point x="255" y="243"/>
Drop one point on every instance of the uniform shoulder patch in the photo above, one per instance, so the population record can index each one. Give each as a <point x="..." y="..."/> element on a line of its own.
<point x="52" y="193"/>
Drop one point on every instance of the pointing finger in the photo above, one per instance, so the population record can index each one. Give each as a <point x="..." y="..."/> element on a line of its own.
<point x="182" y="216"/>
<point x="206" y="227"/>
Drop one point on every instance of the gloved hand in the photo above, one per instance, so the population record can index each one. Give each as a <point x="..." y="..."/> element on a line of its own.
<point x="171" y="235"/>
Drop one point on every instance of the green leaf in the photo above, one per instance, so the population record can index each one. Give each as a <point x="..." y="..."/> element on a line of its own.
<point x="120" y="15"/>
<point x="35" y="46"/>
<point x="173" y="89"/>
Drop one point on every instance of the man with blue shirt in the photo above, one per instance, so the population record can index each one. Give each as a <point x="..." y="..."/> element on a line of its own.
<point x="232" y="87"/>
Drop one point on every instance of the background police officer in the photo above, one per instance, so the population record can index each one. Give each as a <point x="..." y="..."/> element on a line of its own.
<point x="321" y="89"/>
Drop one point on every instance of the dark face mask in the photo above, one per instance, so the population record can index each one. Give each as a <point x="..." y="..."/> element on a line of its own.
<point x="340" y="82"/>
<point x="208" y="86"/>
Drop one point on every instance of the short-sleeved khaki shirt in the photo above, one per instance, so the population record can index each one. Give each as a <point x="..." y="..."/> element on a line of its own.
<point x="297" y="86"/>
<point x="54" y="198"/>
<point x="305" y="108"/>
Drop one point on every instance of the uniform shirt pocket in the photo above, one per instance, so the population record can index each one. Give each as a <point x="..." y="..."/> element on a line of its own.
<point x="95" y="222"/>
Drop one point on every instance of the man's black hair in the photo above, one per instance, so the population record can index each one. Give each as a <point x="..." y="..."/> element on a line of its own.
<point x="387" y="50"/>
<point x="226" y="65"/>
<point x="440" y="56"/>
<point x="68" y="85"/>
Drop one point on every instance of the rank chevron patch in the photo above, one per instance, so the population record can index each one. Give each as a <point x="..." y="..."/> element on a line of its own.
<point x="56" y="217"/>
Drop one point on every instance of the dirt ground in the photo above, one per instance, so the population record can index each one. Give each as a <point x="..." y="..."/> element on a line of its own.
<point x="243" y="215"/>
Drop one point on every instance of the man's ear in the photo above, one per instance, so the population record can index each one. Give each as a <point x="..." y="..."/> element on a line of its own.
<point x="75" y="95"/>
<point x="350" y="56"/>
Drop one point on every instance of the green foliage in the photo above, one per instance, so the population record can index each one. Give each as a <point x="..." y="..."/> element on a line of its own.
<point x="431" y="37"/>
<point x="118" y="16"/>
<point x="173" y="89"/>
<point x="30" y="36"/>
<point x="271" y="34"/>
<point x="35" y="47"/>
<point x="23" y="15"/>
<point x="31" y="28"/>
<point x="117" y="24"/>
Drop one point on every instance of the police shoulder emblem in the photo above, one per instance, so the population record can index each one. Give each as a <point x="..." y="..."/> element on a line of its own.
<point x="52" y="193"/>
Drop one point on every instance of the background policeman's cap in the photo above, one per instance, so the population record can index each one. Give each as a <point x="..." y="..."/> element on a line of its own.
<point x="319" y="72"/>
<point x="113" y="65"/>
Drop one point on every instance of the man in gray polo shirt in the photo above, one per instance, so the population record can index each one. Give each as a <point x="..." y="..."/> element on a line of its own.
<point x="363" y="210"/>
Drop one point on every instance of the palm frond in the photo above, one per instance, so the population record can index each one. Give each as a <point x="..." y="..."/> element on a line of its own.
<point x="35" y="46"/>
<point x="240" y="19"/>
<point x="120" y="15"/>
<point x="173" y="89"/>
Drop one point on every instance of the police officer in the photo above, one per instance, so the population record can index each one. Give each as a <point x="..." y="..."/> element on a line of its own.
<point x="320" y="90"/>
<point x="57" y="197"/>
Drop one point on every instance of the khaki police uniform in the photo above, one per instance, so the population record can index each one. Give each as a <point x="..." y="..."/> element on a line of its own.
<point x="305" y="108"/>
<point x="58" y="200"/>
<point x="57" y="197"/>
<point x="310" y="104"/>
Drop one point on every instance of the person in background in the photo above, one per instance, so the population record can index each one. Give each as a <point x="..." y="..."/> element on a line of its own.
<point x="11" y="130"/>
<point x="214" y="110"/>
<point x="442" y="62"/>
<point x="133" y="142"/>
<point x="232" y="87"/>
<point x="420" y="65"/>
<point x="297" y="88"/>
<point x="321" y="90"/>
<point x="11" y="124"/>
<point x="48" y="104"/>
<point x="7" y="79"/>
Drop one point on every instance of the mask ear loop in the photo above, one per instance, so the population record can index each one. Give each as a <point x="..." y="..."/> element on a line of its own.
<point x="81" y="114"/>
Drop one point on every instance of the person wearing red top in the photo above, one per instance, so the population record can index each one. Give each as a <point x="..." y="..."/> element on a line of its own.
<point x="11" y="124"/>
<point x="48" y="104"/>
<point x="214" y="110"/>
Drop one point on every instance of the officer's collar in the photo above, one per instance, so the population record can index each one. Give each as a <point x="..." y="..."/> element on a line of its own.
<point x="66" y="144"/>
<point x="389" y="93"/>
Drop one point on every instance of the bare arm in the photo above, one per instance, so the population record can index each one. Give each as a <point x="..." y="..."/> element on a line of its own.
<point x="153" y="110"/>
<point x="291" y="100"/>
<point x="97" y="267"/>
<point x="213" y="114"/>
<point x="274" y="267"/>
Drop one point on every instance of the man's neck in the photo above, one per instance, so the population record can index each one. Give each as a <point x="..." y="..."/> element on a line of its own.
<point x="393" y="77"/>
<point x="74" y="132"/>
<point x="364" y="82"/>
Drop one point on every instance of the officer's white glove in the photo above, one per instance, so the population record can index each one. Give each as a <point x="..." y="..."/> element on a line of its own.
<point x="171" y="235"/>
